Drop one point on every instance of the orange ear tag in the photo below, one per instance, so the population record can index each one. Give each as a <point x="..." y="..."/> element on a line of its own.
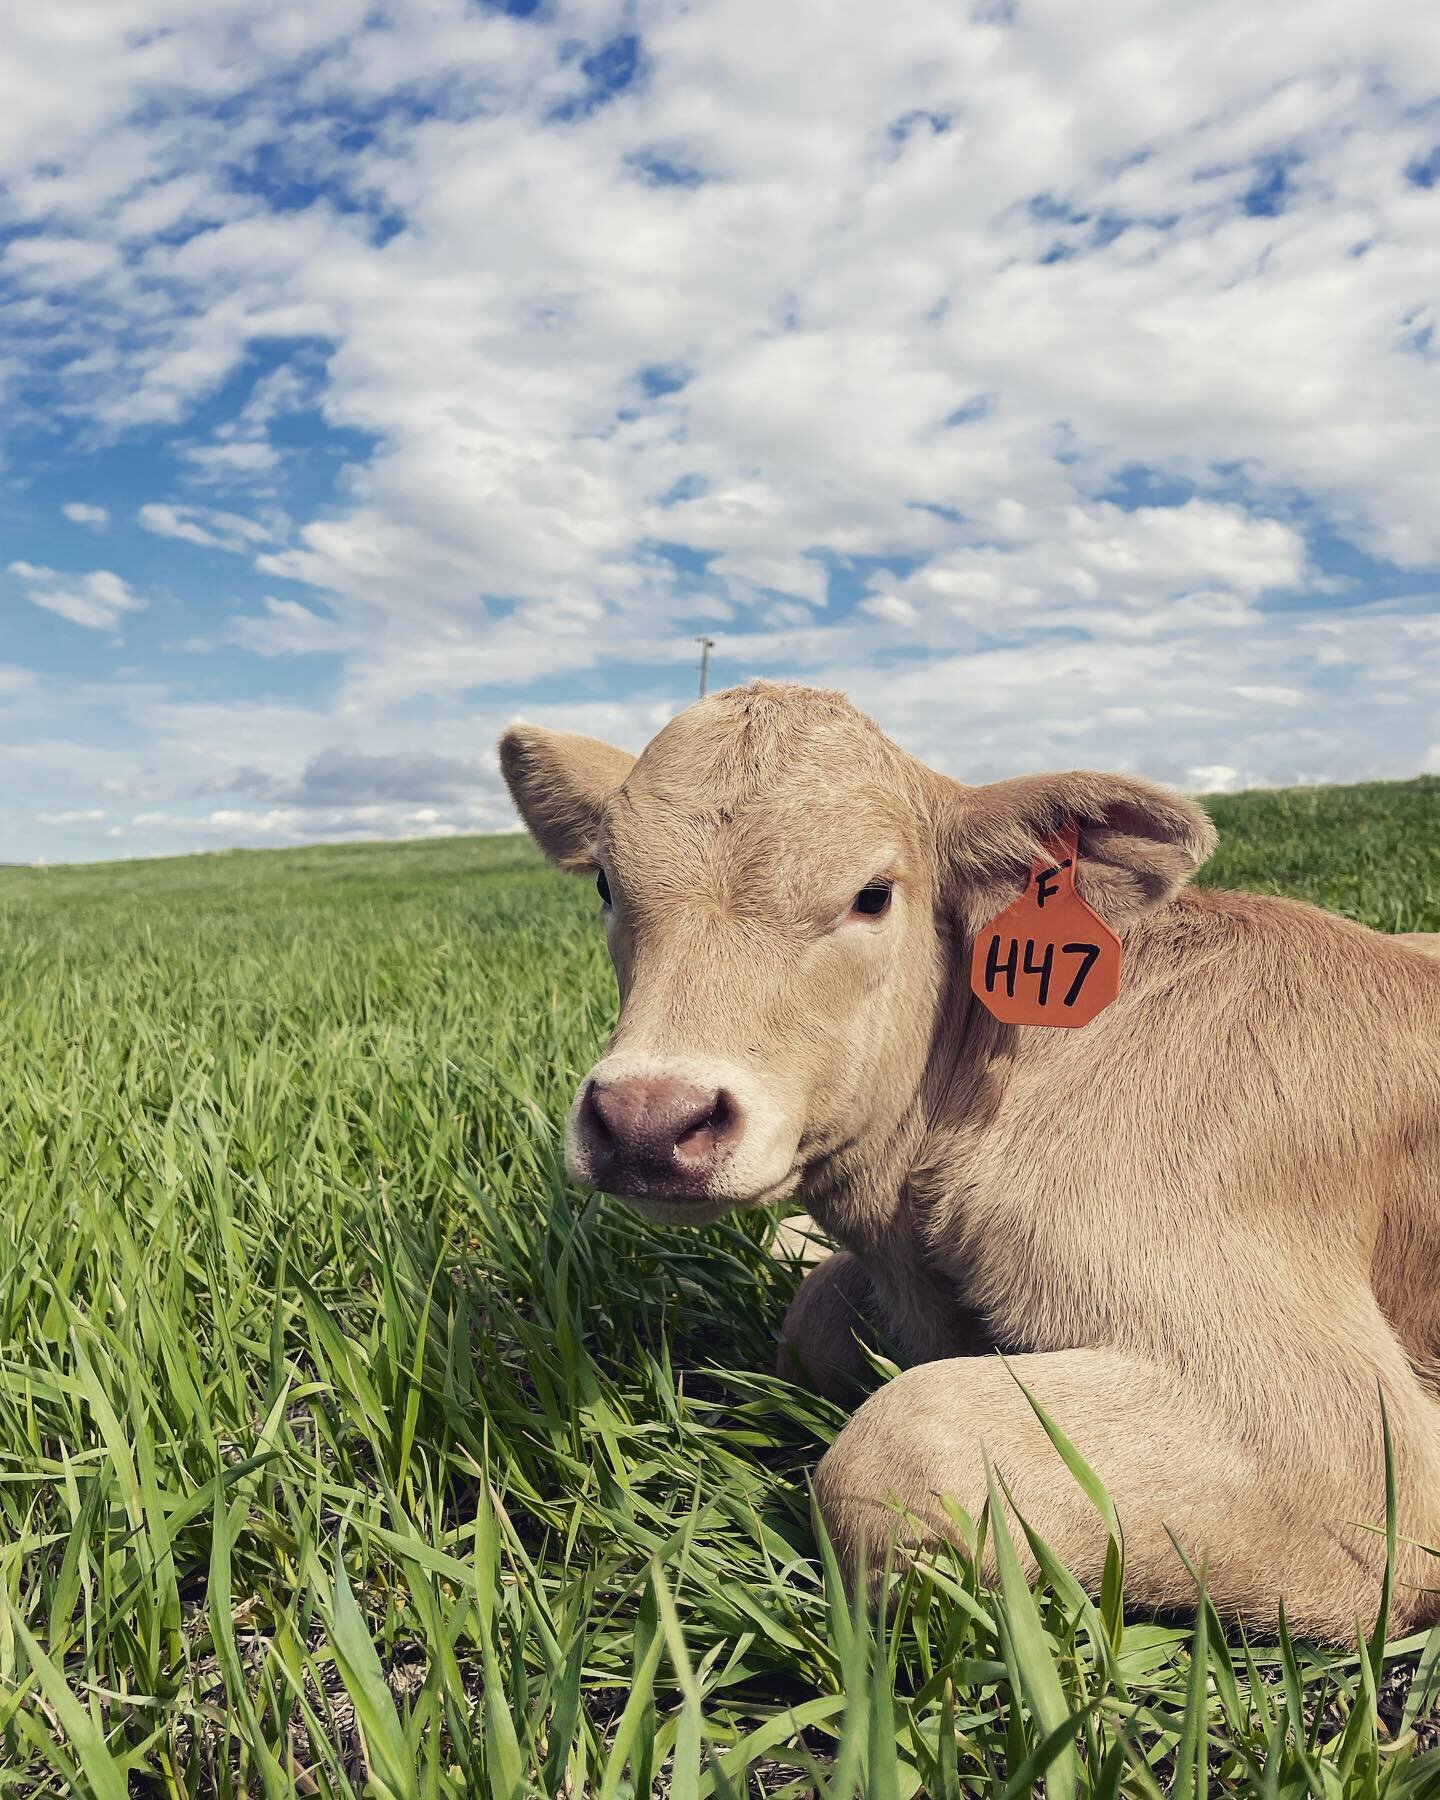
<point x="1048" y="959"/>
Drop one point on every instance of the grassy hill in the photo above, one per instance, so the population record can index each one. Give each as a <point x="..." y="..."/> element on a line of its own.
<point x="337" y="1434"/>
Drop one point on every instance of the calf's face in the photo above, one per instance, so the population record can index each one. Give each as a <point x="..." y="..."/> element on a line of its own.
<point x="784" y="896"/>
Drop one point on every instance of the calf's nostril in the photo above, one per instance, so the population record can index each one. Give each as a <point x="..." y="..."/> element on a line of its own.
<point x="711" y="1127"/>
<point x="593" y="1121"/>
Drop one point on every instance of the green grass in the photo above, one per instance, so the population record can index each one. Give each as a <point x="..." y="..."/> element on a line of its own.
<point x="344" y="1449"/>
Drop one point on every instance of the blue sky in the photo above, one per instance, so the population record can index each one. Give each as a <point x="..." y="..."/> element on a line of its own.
<point x="1062" y="384"/>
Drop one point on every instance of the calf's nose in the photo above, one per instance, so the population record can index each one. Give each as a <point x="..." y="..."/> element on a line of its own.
<point x="648" y="1132"/>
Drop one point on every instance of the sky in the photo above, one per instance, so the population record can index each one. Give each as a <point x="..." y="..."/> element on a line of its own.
<point x="1062" y="383"/>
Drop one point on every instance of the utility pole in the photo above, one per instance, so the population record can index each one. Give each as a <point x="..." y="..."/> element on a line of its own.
<point x="706" y="646"/>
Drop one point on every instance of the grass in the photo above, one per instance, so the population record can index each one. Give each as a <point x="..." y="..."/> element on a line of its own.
<point x="344" y="1449"/>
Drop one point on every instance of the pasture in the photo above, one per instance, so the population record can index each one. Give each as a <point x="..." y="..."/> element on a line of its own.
<point x="344" y="1449"/>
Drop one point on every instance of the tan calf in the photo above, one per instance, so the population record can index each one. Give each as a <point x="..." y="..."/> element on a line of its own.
<point x="1205" y="1228"/>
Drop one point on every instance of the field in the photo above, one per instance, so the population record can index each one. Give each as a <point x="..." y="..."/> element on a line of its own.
<point x="344" y="1449"/>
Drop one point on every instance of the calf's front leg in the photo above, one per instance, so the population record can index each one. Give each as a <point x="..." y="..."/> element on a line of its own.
<point x="841" y="1310"/>
<point x="1274" y="1513"/>
<point x="830" y="1318"/>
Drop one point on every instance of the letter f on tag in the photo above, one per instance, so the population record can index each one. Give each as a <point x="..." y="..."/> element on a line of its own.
<point x="1048" y="958"/>
<point x="1046" y="883"/>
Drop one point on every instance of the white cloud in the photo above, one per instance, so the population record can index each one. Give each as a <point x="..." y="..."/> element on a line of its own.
<point x="1270" y="696"/>
<point x="79" y="512"/>
<point x="286" y="628"/>
<point x="1091" y="565"/>
<point x="97" y="601"/>
<point x="891" y="607"/>
<point x="82" y="816"/>
<point x="240" y="451"/>
<point x="1212" y="778"/>
<point x="206" y="526"/>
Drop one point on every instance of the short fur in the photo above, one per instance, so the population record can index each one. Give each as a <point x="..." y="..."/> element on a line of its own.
<point x="1205" y="1229"/>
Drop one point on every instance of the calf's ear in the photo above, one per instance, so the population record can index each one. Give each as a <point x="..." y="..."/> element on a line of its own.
<point x="560" y="784"/>
<point x="1139" y="844"/>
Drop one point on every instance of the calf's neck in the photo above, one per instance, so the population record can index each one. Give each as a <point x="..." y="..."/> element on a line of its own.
<point x="1205" y="1228"/>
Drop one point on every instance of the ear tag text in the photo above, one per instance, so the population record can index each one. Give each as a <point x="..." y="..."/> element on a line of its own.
<point x="1048" y="958"/>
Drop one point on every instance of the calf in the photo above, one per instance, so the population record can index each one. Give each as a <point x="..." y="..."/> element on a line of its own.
<point x="1205" y="1229"/>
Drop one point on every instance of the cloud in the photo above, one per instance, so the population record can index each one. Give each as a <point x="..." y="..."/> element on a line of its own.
<point x="351" y="778"/>
<point x="1212" y="778"/>
<point x="205" y="526"/>
<point x="341" y="777"/>
<point x="97" y="601"/>
<point x="240" y="450"/>
<point x="283" y="825"/>
<point x="1097" y="564"/>
<point x="892" y="608"/>
<point x="80" y="513"/>
<point x="286" y="628"/>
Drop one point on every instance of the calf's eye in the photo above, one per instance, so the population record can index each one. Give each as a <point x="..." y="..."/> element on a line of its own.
<point x="604" y="888"/>
<point x="873" y="899"/>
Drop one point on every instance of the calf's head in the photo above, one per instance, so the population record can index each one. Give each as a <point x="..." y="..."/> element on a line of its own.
<point x="787" y="897"/>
